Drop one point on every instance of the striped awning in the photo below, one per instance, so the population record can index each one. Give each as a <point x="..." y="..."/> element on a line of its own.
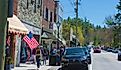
<point x="16" y="26"/>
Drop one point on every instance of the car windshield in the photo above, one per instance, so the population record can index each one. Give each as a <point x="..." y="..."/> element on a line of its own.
<point x="74" y="51"/>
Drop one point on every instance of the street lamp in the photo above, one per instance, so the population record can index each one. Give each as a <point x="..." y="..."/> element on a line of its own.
<point x="58" y="25"/>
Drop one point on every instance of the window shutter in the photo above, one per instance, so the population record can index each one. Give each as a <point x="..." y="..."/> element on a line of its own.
<point x="48" y="15"/>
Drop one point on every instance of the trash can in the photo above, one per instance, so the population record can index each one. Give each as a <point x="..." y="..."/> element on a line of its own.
<point x="52" y="60"/>
<point x="7" y="67"/>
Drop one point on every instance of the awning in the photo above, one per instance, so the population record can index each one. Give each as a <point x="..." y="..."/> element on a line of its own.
<point x="46" y="35"/>
<point x="15" y="25"/>
<point x="32" y="27"/>
<point x="64" y="42"/>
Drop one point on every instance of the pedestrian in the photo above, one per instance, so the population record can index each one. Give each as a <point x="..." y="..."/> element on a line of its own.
<point x="44" y="52"/>
<point x="58" y="59"/>
<point x="34" y="55"/>
<point x="38" y="56"/>
<point x="61" y="52"/>
<point x="54" y="51"/>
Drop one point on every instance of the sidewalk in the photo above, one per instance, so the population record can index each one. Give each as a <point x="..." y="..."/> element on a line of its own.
<point x="32" y="67"/>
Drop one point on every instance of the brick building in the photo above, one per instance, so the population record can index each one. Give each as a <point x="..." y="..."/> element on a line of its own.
<point x="26" y="15"/>
<point x="48" y="13"/>
<point x="51" y="15"/>
<point x="48" y="19"/>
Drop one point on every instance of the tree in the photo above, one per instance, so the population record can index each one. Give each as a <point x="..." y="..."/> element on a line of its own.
<point x="118" y="15"/>
<point x="114" y="22"/>
<point x="85" y="30"/>
<point x="110" y="21"/>
<point x="71" y="23"/>
<point x="65" y="30"/>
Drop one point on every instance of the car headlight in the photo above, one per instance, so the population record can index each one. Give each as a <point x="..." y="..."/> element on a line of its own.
<point x="84" y="58"/>
<point x="64" y="60"/>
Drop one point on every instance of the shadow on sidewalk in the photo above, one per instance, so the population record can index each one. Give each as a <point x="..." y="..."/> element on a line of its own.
<point x="32" y="69"/>
<point x="22" y="66"/>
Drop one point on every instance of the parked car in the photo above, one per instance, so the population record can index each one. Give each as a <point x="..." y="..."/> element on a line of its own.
<point x="115" y="50"/>
<point x="105" y="48"/>
<point x="74" y="58"/>
<point x="109" y="50"/>
<point x="119" y="54"/>
<point x="87" y="53"/>
<point x="97" y="50"/>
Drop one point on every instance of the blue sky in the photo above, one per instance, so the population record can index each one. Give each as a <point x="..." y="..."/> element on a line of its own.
<point x="94" y="10"/>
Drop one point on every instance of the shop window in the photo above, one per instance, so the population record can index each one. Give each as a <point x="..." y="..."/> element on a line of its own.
<point x="32" y="2"/>
<point x="51" y="15"/>
<point x="54" y="17"/>
<point x="39" y="4"/>
<point x="27" y="4"/>
<point x="43" y="12"/>
<point x="46" y="14"/>
<point x="35" y="7"/>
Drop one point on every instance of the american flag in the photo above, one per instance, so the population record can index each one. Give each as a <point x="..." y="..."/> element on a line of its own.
<point x="32" y="43"/>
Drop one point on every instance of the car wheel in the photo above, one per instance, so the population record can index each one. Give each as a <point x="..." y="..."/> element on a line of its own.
<point x="89" y="61"/>
<point x="119" y="58"/>
<point x="85" y="66"/>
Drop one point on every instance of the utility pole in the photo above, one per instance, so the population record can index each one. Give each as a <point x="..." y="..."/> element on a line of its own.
<point x="3" y="28"/>
<point x="76" y="11"/>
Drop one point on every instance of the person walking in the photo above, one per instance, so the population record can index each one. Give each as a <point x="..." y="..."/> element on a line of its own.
<point x="58" y="57"/>
<point x="44" y="52"/>
<point x="38" y="56"/>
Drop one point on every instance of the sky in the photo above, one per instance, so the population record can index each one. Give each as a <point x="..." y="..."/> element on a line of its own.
<point x="93" y="10"/>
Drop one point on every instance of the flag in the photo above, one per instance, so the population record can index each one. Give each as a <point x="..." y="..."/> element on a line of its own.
<point x="32" y="43"/>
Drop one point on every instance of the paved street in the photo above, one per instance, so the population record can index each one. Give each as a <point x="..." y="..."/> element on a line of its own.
<point x="100" y="61"/>
<point x="105" y="61"/>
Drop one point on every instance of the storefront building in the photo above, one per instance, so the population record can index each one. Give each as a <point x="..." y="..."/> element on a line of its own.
<point x="29" y="12"/>
<point x="16" y="30"/>
<point x="26" y="51"/>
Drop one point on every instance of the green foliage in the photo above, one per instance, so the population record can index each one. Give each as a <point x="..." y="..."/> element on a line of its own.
<point x="108" y="36"/>
<point x="85" y="30"/>
<point x="109" y="21"/>
<point x="114" y="23"/>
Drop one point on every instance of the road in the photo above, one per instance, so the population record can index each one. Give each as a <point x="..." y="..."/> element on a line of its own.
<point x="105" y="61"/>
<point x="100" y="61"/>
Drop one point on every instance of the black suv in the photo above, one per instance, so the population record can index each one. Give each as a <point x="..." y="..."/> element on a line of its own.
<point x="74" y="58"/>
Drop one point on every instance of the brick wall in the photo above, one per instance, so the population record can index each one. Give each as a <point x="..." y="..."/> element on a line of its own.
<point x="50" y="5"/>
